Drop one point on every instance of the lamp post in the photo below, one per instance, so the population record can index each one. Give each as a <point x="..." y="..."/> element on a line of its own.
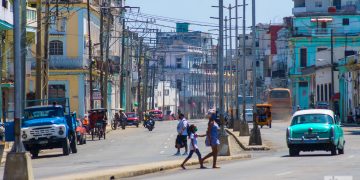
<point x="224" y="139"/>
<point x="255" y="136"/>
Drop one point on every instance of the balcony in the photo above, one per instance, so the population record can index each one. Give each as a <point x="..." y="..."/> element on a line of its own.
<point x="62" y="62"/>
<point x="31" y="17"/>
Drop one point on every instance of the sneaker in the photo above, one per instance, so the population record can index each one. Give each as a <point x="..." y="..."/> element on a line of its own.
<point x="177" y="154"/>
<point x="185" y="154"/>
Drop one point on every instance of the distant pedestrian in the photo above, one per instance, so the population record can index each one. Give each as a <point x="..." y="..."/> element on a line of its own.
<point x="181" y="139"/>
<point x="212" y="140"/>
<point x="193" y="146"/>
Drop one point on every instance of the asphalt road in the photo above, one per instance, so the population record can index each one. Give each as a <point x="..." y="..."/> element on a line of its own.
<point x="276" y="164"/>
<point x="121" y="148"/>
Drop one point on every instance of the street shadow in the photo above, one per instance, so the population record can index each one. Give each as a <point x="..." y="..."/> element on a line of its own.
<point x="47" y="156"/>
<point x="353" y="132"/>
<point x="307" y="155"/>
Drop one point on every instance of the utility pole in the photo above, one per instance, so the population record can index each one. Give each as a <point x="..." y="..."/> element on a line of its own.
<point x="140" y="105"/>
<point x="14" y="169"/>
<point x="101" y="38"/>
<point x="231" y="66"/>
<point x="224" y="139"/>
<point x="122" y="68"/>
<point x="332" y="66"/>
<point x="108" y="13"/>
<point x="226" y="83"/>
<point x="38" y="82"/>
<point x="237" y="112"/>
<point x="45" y="73"/>
<point x="90" y="56"/>
<point x="255" y="136"/>
<point x="153" y="88"/>
<point x="244" y="126"/>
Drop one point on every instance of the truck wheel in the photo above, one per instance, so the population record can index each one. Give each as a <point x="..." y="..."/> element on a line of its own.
<point x="66" y="147"/>
<point x="34" y="153"/>
<point x="73" y="144"/>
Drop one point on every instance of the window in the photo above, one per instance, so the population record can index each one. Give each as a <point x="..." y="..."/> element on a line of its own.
<point x="318" y="92"/>
<point x="178" y="63"/>
<point x="178" y="84"/>
<point x="303" y="57"/>
<point x="166" y="92"/>
<point x="61" y="24"/>
<point x="346" y="22"/>
<point x="326" y="92"/>
<point x="4" y="3"/>
<point x="56" y="47"/>
<point x="322" y="92"/>
<point x="318" y="4"/>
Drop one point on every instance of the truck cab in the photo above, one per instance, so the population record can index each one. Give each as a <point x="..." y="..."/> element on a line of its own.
<point x="48" y="127"/>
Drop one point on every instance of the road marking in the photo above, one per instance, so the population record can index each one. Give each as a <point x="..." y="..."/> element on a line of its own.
<point x="162" y="152"/>
<point x="166" y="147"/>
<point x="284" y="173"/>
<point x="351" y="156"/>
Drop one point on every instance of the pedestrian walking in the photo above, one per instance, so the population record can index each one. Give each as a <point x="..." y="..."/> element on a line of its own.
<point x="181" y="139"/>
<point x="212" y="140"/>
<point x="193" y="146"/>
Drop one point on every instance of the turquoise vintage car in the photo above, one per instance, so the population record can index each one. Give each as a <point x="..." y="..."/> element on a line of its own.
<point x="313" y="130"/>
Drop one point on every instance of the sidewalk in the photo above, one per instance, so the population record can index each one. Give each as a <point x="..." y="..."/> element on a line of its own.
<point x="243" y="141"/>
<point x="138" y="170"/>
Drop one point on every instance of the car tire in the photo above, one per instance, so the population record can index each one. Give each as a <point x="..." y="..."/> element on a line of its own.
<point x="333" y="150"/>
<point x="293" y="152"/>
<point x="66" y="147"/>
<point x="73" y="145"/>
<point x="34" y="153"/>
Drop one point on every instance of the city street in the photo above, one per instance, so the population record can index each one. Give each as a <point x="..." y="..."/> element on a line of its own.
<point x="131" y="146"/>
<point x="276" y="164"/>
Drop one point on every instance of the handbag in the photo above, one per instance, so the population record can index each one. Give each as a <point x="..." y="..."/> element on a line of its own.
<point x="179" y="143"/>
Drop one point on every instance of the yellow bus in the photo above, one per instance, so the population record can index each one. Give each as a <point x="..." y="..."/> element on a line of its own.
<point x="280" y="99"/>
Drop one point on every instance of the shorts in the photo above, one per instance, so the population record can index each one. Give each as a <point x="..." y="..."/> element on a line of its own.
<point x="184" y="139"/>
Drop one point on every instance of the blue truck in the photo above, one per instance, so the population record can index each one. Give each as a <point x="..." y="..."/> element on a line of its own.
<point x="48" y="126"/>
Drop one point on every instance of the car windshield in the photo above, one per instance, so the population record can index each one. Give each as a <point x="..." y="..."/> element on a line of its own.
<point x="155" y="112"/>
<point x="131" y="115"/>
<point x="279" y="94"/>
<point x="39" y="113"/>
<point x="312" y="118"/>
<point x="248" y="111"/>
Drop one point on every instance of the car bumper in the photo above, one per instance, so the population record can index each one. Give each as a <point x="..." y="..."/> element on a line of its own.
<point x="44" y="143"/>
<point x="132" y="123"/>
<point x="310" y="144"/>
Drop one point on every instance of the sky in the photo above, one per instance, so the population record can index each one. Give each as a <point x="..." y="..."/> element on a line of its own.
<point x="267" y="11"/>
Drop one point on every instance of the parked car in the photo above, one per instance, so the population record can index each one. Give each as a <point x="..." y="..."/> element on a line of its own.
<point x="80" y="132"/>
<point x="132" y="119"/>
<point x="157" y="114"/>
<point x="313" y="130"/>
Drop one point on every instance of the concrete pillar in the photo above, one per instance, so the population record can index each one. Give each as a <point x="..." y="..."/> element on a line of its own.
<point x="18" y="166"/>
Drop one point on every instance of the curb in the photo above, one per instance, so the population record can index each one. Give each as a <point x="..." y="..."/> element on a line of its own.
<point x="138" y="170"/>
<point x="246" y="147"/>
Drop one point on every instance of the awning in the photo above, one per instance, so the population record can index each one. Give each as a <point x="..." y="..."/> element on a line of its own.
<point x="7" y="85"/>
<point x="5" y="25"/>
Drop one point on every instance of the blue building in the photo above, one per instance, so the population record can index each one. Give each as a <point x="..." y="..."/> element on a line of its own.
<point x="314" y="25"/>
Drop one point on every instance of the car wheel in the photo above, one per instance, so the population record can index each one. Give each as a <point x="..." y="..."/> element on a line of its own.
<point x="34" y="153"/>
<point x="73" y="145"/>
<point x="66" y="147"/>
<point x="333" y="150"/>
<point x="341" y="151"/>
<point x="293" y="152"/>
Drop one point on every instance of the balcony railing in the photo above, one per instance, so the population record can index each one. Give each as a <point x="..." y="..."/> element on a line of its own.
<point x="63" y="62"/>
